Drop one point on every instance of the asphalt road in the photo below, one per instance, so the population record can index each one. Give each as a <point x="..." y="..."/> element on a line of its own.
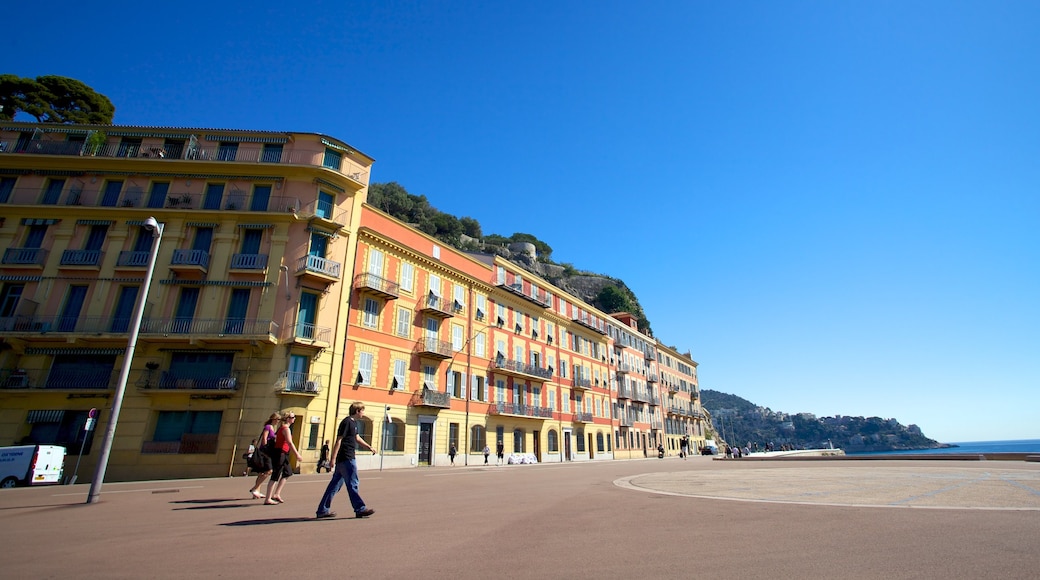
<point x="620" y="519"/>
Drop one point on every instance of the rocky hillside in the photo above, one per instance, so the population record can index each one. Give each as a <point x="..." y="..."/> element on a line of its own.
<point x="739" y="421"/>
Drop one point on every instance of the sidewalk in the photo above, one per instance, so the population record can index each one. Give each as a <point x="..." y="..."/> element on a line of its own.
<point x="541" y="521"/>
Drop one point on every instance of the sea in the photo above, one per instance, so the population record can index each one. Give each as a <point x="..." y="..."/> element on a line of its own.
<point x="1014" y="446"/>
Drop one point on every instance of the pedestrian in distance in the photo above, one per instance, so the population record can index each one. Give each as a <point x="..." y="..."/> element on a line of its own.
<point x="487" y="452"/>
<point x="267" y="437"/>
<point x="451" y="453"/>
<point x="323" y="459"/>
<point x="500" y="450"/>
<point x="281" y="468"/>
<point x="248" y="456"/>
<point x="345" y="466"/>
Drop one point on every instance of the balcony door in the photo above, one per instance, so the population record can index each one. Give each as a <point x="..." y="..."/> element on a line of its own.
<point x="299" y="367"/>
<point x="73" y="305"/>
<point x="186" y="303"/>
<point x="124" y="309"/>
<point x="306" y="316"/>
<point x="238" y="307"/>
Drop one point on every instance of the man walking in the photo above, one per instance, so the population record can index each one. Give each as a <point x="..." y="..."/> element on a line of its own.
<point x="345" y="466"/>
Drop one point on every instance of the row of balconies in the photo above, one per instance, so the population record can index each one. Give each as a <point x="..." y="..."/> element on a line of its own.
<point x="181" y="258"/>
<point x="79" y="379"/>
<point x="520" y="410"/>
<point x="207" y="328"/>
<point x="236" y="200"/>
<point x="158" y="150"/>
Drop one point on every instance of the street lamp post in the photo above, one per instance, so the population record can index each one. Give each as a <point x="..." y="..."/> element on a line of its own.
<point x="156" y="229"/>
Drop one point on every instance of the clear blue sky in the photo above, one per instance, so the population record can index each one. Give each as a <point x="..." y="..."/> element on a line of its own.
<point x="833" y="205"/>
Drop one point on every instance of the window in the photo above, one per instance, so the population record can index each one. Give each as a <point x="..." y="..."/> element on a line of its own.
<point x="195" y="431"/>
<point x="563" y="368"/>
<point x="456" y="337"/>
<point x="477" y="438"/>
<point x="364" y="429"/>
<point x="272" y="153"/>
<point x="63" y="428"/>
<point x="227" y="151"/>
<point x="599" y="442"/>
<point x="375" y="262"/>
<point x="393" y="435"/>
<point x="481" y="307"/>
<point x="453" y="435"/>
<point x="325" y="204"/>
<point x="404" y="322"/>
<point x="580" y="439"/>
<point x="261" y="195"/>
<point x="407" y="277"/>
<point x="129" y="147"/>
<point x="333" y="159"/>
<point x="479" y="388"/>
<point x="479" y="344"/>
<point x="365" y="368"/>
<point x="307" y="316"/>
<point x="110" y="197"/>
<point x="552" y="399"/>
<point x="435" y="285"/>
<point x="6" y="187"/>
<point x="213" y="196"/>
<point x="312" y="436"/>
<point x="370" y="318"/>
<point x="400" y="366"/>
<point x="199" y="370"/>
<point x="457" y="384"/>
<point x="429" y="376"/>
<point x="518" y="440"/>
<point x="53" y="191"/>
<point x="554" y="441"/>
<point x="9" y="297"/>
<point x="459" y="295"/>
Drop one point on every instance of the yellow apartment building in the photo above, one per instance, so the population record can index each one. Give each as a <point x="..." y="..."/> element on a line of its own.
<point x="247" y="303"/>
<point x="677" y="374"/>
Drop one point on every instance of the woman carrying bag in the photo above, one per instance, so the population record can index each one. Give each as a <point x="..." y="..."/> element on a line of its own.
<point x="262" y="456"/>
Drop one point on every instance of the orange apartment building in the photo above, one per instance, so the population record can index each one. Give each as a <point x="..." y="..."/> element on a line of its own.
<point x="468" y="350"/>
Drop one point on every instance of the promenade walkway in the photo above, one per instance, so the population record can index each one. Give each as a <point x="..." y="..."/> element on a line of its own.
<point x="614" y="519"/>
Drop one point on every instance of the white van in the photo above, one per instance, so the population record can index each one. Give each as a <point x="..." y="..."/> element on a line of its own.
<point x="31" y="465"/>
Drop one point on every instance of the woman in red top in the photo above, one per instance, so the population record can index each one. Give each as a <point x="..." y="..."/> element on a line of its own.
<point x="282" y="470"/>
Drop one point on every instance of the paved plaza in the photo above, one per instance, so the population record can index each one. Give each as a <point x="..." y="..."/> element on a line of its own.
<point x="619" y="519"/>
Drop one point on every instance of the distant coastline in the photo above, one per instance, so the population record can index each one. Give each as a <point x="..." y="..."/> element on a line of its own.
<point x="1009" y="446"/>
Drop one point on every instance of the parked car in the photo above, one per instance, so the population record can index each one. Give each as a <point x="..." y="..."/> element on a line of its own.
<point x="31" y="465"/>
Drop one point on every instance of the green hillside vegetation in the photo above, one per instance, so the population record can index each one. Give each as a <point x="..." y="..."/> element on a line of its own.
<point x="740" y="421"/>
<point x="466" y="234"/>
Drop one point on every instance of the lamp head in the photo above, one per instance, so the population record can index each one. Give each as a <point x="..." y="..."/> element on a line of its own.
<point x="153" y="226"/>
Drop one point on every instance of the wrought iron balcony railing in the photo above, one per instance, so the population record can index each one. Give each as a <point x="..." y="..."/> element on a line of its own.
<point x="299" y="383"/>
<point x="505" y="364"/>
<point x="377" y="284"/>
<point x="520" y="410"/>
<point x="195" y="381"/>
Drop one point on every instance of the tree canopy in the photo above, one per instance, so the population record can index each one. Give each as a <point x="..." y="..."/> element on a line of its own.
<point x="53" y="99"/>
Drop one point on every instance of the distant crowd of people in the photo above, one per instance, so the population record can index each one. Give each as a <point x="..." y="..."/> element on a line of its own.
<point x="736" y="452"/>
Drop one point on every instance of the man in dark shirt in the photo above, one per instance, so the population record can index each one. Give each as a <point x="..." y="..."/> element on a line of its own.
<point x="345" y="466"/>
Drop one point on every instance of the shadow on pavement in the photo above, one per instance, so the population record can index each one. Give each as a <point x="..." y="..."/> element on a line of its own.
<point x="275" y="521"/>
